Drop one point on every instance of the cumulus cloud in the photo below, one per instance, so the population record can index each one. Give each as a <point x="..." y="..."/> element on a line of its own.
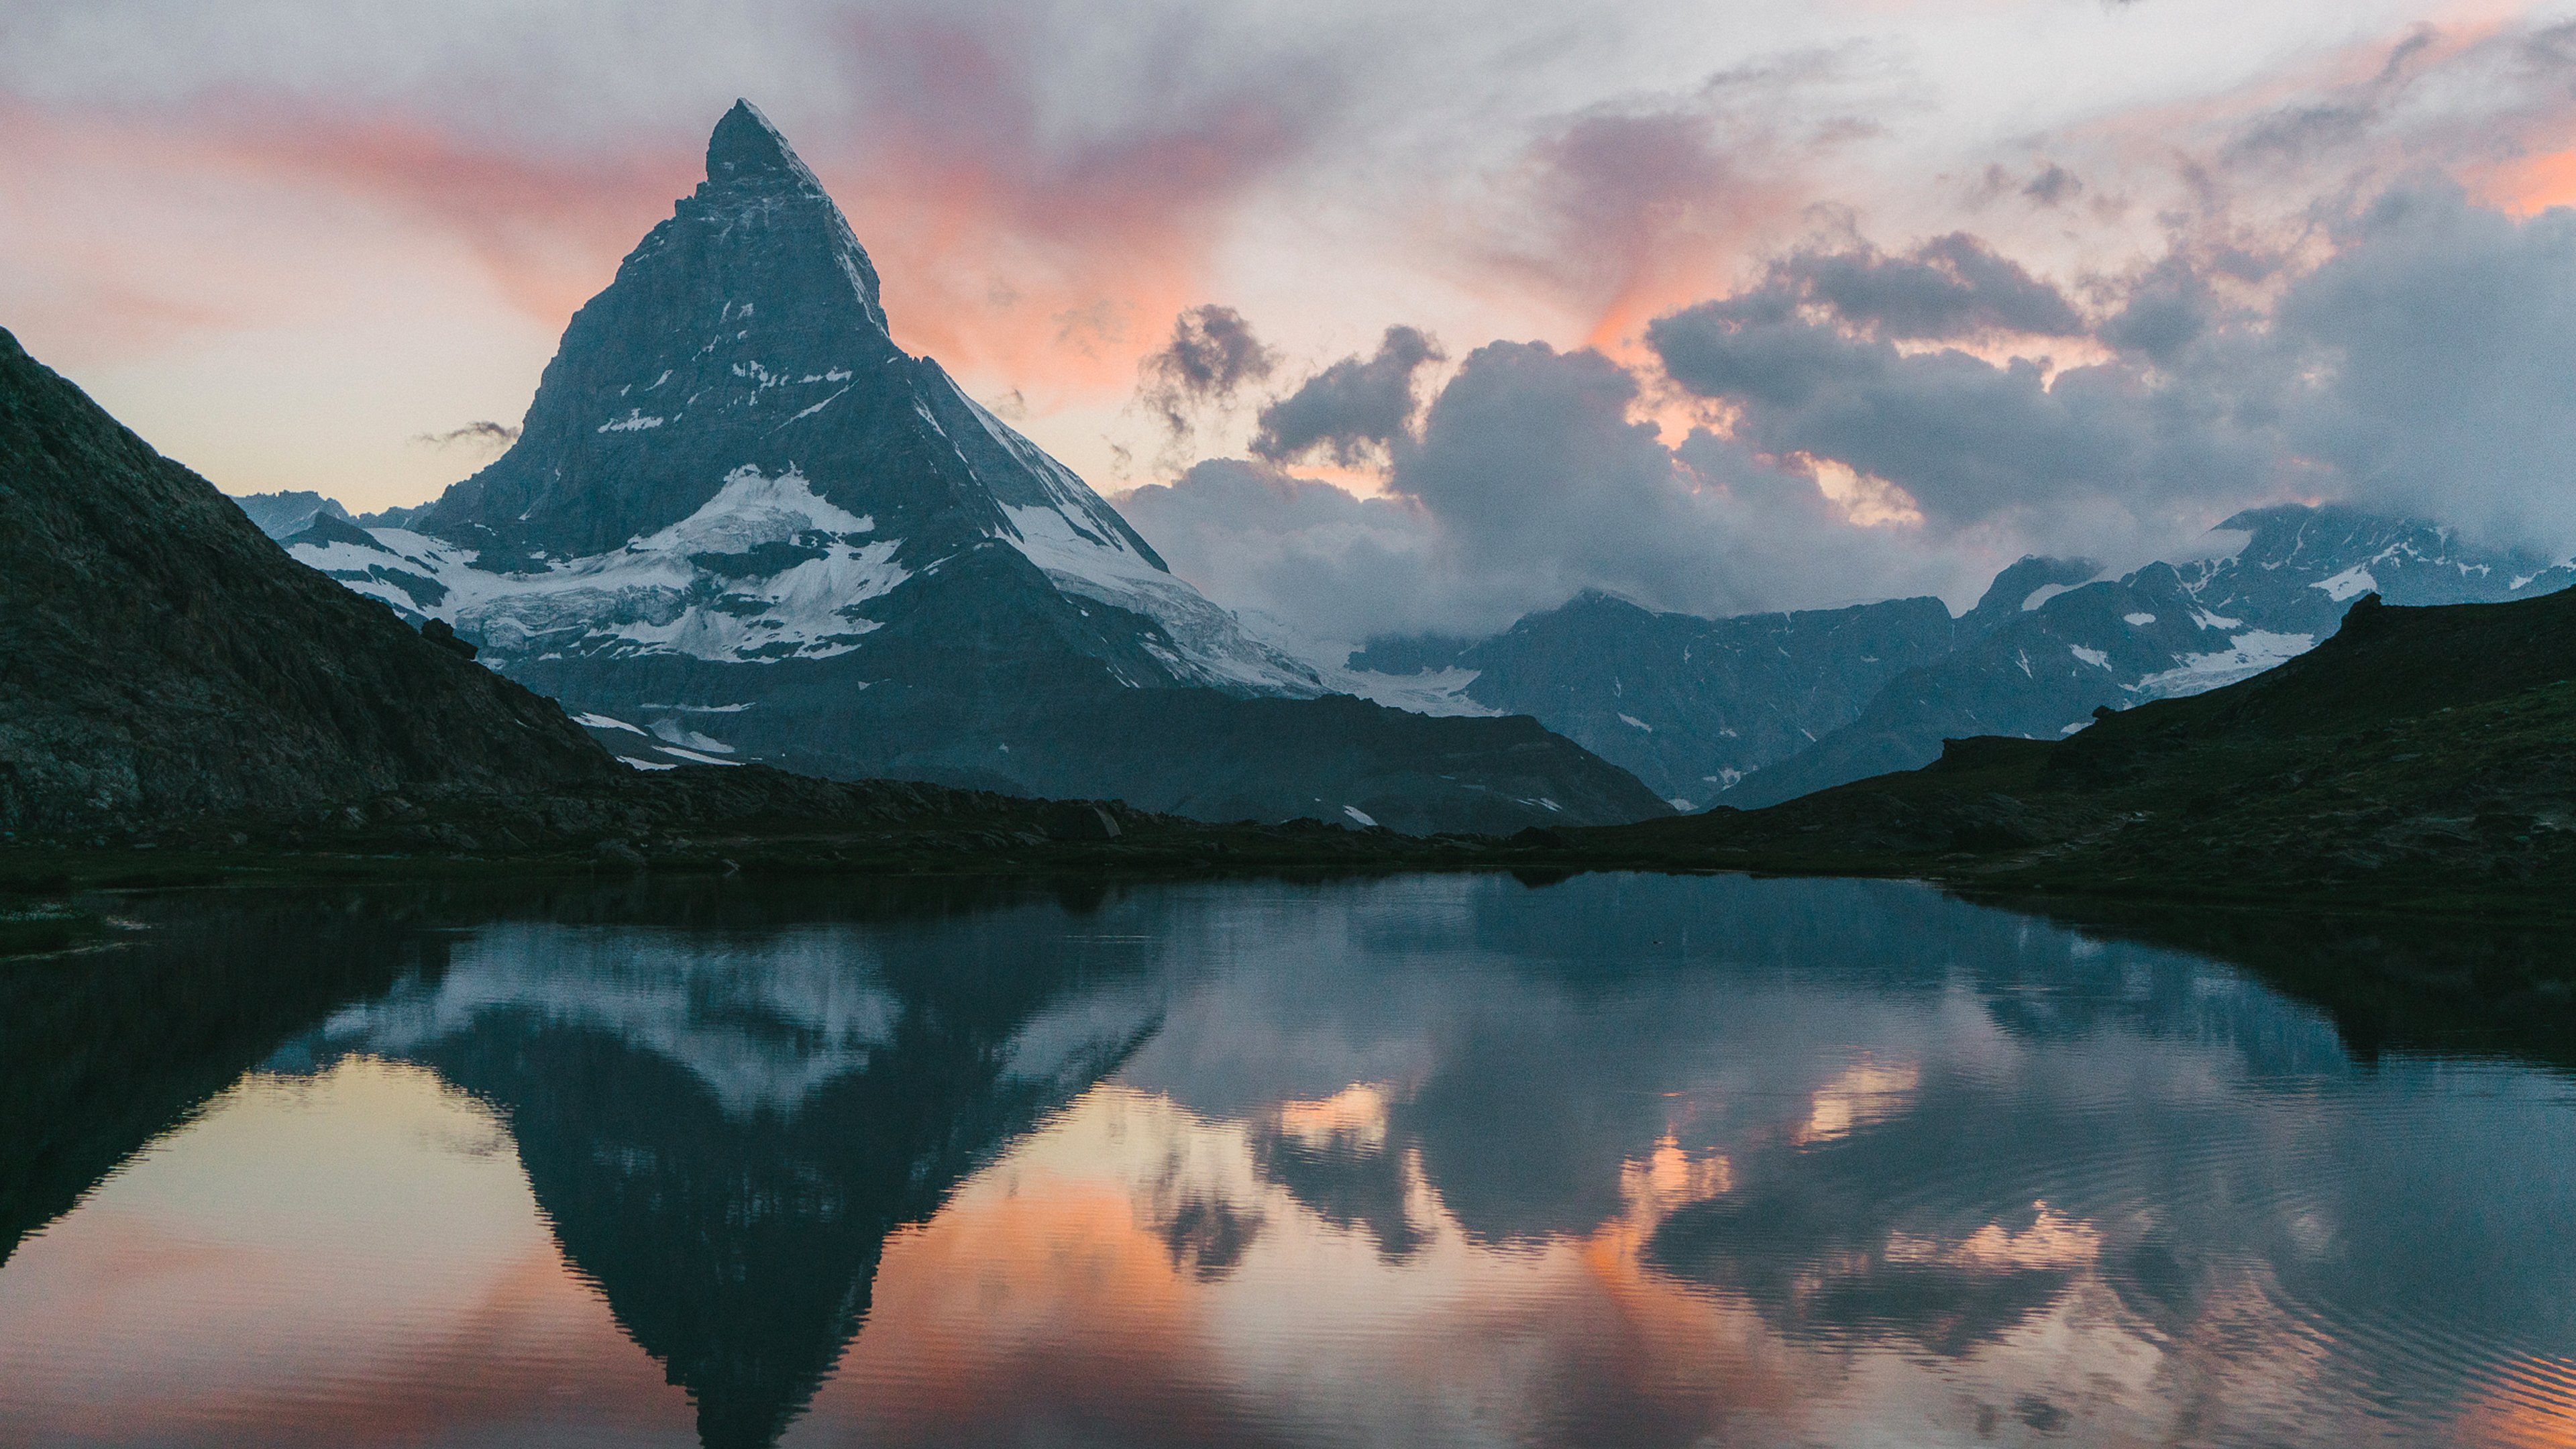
<point x="1531" y="477"/>
<point x="1950" y="287"/>
<point x="2414" y="360"/>
<point x="1212" y="356"/>
<point x="2422" y="366"/>
<point x="1303" y="552"/>
<point x="2440" y="347"/>
<point x="1352" y="412"/>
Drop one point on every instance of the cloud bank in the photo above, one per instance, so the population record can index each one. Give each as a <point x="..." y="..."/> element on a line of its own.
<point x="1875" y="423"/>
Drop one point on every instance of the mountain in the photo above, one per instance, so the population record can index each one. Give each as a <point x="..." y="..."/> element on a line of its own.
<point x="284" y="515"/>
<point x="2417" y="758"/>
<point x="741" y="523"/>
<point x="160" y="658"/>
<point x="1759" y="708"/>
<point x="2164" y="631"/>
<point x="1692" y="705"/>
<point x="1689" y="705"/>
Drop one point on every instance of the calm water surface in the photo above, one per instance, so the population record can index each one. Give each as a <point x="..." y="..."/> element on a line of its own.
<point x="1616" y="1161"/>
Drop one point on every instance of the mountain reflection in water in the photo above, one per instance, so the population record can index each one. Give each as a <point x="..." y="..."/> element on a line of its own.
<point x="1627" y="1160"/>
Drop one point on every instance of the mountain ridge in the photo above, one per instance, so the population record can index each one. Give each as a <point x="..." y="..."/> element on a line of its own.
<point x="160" y="656"/>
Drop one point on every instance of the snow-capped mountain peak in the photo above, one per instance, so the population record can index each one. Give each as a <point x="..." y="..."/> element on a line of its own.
<point x="730" y="461"/>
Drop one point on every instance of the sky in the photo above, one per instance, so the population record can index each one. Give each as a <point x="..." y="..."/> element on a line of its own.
<point x="1381" y="319"/>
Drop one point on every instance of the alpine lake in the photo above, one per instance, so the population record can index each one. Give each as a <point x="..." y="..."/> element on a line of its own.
<point x="1426" y="1160"/>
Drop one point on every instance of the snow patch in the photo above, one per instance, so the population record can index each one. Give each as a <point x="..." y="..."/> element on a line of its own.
<point x="1359" y="815"/>
<point x="1633" y="722"/>
<point x="651" y="596"/>
<point x="2253" y="651"/>
<point x="2094" y="657"/>
<point x="633" y="422"/>
<point x="2352" y="583"/>
<point x="2137" y="621"/>
<point x="694" y="757"/>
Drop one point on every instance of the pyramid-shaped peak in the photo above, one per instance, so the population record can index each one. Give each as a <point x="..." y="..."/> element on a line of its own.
<point x="746" y="147"/>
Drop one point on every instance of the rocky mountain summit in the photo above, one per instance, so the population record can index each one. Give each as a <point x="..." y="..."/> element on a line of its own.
<point x="161" y="658"/>
<point x="741" y="523"/>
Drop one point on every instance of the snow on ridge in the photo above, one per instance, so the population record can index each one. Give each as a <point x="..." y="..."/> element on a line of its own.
<point x="2351" y="583"/>
<point x="1212" y="641"/>
<point x="1438" y="692"/>
<point x="2251" y="653"/>
<point x="651" y="596"/>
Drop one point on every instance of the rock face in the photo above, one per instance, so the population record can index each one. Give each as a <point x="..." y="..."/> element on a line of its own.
<point x="160" y="657"/>
<point x="741" y="523"/>
<point x="1689" y="705"/>
<point x="2163" y="632"/>
<point x="284" y="515"/>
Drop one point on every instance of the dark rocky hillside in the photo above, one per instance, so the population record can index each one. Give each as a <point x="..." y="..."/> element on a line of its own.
<point x="161" y="657"/>
<point x="2419" y="758"/>
<point x="2038" y="666"/>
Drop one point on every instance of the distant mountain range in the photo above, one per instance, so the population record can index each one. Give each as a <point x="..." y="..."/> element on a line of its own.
<point x="740" y="523"/>
<point x="1761" y="708"/>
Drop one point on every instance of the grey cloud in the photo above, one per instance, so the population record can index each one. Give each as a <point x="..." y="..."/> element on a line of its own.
<point x="482" y="432"/>
<point x="2053" y="186"/>
<point x="1333" y="566"/>
<point x="1970" y="440"/>
<point x="2442" y="336"/>
<point x="2164" y="311"/>
<point x="1352" y="412"/>
<point x="1950" y="287"/>
<point x="1212" y="356"/>
<point x="1529" y="481"/>
<point x="2422" y="368"/>
<point x="1528" y="458"/>
<point x="2295" y="132"/>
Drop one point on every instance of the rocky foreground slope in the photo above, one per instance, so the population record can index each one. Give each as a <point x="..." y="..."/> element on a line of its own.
<point x="161" y="658"/>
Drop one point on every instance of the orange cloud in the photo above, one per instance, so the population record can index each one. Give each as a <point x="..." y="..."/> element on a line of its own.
<point x="2529" y="185"/>
<point x="1016" y="252"/>
<point x="1637" y="214"/>
<point x="1022" y="260"/>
